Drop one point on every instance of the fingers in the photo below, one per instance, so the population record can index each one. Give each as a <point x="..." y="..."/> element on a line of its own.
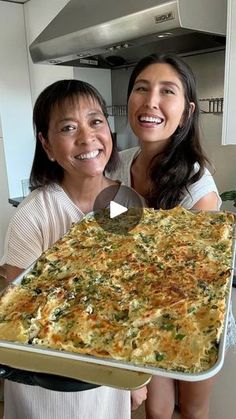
<point x="137" y="397"/>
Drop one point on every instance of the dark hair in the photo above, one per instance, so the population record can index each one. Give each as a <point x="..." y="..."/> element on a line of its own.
<point x="43" y="170"/>
<point x="172" y="171"/>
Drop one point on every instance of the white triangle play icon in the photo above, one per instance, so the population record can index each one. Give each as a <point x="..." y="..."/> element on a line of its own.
<point x="116" y="209"/>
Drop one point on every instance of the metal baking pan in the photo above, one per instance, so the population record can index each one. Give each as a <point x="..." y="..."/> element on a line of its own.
<point x="103" y="371"/>
<point x="87" y="369"/>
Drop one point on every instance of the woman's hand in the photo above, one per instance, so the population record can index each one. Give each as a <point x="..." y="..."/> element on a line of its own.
<point x="12" y="272"/>
<point x="137" y="397"/>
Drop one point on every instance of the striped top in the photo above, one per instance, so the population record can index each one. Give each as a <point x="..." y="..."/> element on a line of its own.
<point x="41" y="219"/>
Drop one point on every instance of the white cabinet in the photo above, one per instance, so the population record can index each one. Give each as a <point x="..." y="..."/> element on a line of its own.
<point x="229" y="115"/>
<point x="0" y="128"/>
<point x="38" y="14"/>
<point x="15" y="97"/>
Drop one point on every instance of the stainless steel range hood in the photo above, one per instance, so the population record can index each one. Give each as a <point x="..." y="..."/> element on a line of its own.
<point x="117" y="33"/>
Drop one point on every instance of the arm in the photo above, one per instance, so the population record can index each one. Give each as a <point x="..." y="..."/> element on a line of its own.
<point x="208" y="202"/>
<point x="202" y="195"/>
<point x="137" y="397"/>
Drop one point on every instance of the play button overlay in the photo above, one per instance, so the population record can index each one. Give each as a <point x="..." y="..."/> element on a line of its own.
<point x="118" y="209"/>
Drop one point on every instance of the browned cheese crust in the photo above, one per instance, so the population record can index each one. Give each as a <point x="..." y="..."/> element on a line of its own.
<point x="155" y="297"/>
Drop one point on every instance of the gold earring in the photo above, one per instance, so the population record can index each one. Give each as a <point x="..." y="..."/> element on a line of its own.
<point x="51" y="158"/>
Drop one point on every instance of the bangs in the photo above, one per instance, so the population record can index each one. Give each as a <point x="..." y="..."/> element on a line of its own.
<point x="72" y="101"/>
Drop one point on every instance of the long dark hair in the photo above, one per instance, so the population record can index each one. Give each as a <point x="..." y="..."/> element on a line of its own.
<point x="172" y="171"/>
<point x="43" y="170"/>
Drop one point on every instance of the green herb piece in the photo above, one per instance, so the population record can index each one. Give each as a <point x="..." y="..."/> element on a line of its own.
<point x="179" y="336"/>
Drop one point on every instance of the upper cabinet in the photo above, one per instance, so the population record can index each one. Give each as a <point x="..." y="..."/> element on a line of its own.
<point x="15" y="97"/>
<point x="0" y="127"/>
<point x="229" y="119"/>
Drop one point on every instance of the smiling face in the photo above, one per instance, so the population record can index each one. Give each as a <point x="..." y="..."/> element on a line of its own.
<point x="79" y="138"/>
<point x="156" y="104"/>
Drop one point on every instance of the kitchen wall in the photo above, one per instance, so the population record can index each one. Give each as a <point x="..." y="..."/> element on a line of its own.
<point x="209" y="73"/>
<point x="38" y="14"/>
<point x="21" y="81"/>
<point x="15" y="103"/>
<point x="20" y="88"/>
<point x="15" y="98"/>
<point x="6" y="210"/>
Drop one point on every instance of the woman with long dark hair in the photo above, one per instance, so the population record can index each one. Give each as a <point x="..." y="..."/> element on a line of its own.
<point x="168" y="168"/>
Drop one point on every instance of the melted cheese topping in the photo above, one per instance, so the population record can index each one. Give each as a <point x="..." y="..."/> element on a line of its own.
<point x="155" y="297"/>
